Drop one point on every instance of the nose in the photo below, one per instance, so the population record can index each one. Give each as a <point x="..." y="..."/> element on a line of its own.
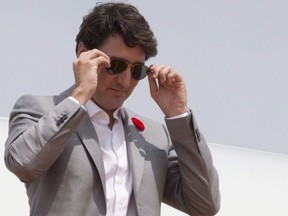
<point x="124" y="78"/>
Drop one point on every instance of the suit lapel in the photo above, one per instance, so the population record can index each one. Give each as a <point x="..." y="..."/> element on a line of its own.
<point x="135" y="149"/>
<point x="90" y="140"/>
<point x="88" y="136"/>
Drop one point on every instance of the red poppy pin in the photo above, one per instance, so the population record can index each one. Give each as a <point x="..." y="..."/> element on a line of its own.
<point x="139" y="124"/>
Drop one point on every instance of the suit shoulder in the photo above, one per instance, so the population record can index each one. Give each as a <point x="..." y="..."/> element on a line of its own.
<point x="34" y="103"/>
<point x="29" y="99"/>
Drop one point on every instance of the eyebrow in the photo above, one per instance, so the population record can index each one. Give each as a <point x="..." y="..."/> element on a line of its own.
<point x="122" y="59"/>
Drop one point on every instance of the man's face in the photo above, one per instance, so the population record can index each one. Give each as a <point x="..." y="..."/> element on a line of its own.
<point x="113" y="90"/>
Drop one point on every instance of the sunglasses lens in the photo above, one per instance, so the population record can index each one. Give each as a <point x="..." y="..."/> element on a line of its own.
<point x="117" y="66"/>
<point x="139" y="71"/>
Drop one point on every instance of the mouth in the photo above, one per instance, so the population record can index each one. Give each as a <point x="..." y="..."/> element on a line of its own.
<point x="118" y="92"/>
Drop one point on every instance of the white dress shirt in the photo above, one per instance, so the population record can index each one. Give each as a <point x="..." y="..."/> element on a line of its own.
<point x="117" y="171"/>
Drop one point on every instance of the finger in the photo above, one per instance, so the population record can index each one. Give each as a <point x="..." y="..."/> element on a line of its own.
<point x="173" y="77"/>
<point x="101" y="60"/>
<point x="94" y="53"/>
<point x="156" y="70"/>
<point x="170" y="78"/>
<point x="153" y="85"/>
<point x="164" y="73"/>
<point x="92" y="58"/>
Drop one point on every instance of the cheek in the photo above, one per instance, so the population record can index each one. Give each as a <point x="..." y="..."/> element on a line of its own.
<point x="133" y="84"/>
<point x="104" y="78"/>
<point x="131" y="88"/>
<point x="102" y="72"/>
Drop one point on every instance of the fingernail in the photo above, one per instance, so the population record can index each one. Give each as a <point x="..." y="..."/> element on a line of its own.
<point x="149" y="69"/>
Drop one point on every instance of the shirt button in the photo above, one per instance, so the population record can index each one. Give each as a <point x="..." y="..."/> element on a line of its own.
<point x="120" y="181"/>
<point x="121" y="204"/>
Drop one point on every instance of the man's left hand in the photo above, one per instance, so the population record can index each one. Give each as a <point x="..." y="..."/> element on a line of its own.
<point x="168" y="89"/>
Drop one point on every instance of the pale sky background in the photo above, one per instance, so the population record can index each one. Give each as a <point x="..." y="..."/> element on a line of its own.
<point x="233" y="55"/>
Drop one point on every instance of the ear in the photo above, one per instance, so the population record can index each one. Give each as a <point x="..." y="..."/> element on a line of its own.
<point x="81" y="48"/>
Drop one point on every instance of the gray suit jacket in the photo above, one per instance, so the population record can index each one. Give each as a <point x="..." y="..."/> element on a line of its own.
<point x="53" y="147"/>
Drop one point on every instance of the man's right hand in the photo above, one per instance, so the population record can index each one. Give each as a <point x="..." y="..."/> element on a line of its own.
<point x="86" y="68"/>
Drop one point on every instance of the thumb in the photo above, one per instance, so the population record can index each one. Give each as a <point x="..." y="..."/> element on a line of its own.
<point x="153" y="85"/>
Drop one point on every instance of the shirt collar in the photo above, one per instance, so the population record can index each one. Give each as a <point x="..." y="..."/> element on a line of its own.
<point x="94" y="110"/>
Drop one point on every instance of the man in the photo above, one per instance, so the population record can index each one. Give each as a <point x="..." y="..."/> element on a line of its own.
<point x="82" y="153"/>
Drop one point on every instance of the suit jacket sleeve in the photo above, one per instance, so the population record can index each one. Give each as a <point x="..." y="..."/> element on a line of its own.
<point x="39" y="130"/>
<point x="192" y="183"/>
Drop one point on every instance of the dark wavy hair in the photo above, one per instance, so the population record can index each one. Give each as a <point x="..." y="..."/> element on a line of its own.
<point x="110" y="18"/>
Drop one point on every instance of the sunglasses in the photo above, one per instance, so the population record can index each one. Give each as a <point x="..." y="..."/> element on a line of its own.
<point x="138" y="70"/>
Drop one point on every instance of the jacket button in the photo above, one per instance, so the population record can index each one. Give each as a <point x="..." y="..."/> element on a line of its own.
<point x="64" y="117"/>
<point x="61" y="120"/>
